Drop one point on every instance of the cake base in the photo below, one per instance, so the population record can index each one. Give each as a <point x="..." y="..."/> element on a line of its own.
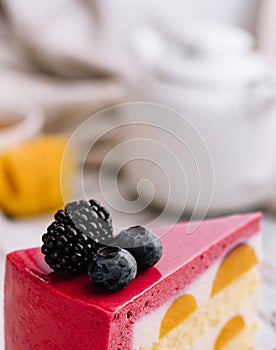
<point x="205" y="324"/>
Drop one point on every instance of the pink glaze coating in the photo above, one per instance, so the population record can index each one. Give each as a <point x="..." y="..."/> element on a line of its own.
<point x="45" y="310"/>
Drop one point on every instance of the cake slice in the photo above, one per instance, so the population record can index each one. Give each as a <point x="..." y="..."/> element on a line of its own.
<point x="202" y="294"/>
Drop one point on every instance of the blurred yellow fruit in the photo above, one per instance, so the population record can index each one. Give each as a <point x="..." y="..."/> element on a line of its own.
<point x="30" y="176"/>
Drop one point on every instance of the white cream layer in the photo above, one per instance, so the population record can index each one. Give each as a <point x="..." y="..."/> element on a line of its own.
<point x="248" y="313"/>
<point x="146" y="330"/>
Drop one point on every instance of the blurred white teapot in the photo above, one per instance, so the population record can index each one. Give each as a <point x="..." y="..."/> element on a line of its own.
<point x="213" y="76"/>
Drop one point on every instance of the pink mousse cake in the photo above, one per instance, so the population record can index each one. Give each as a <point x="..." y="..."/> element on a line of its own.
<point x="202" y="294"/>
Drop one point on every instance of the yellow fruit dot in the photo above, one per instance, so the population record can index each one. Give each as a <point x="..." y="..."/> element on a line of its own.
<point x="237" y="262"/>
<point x="178" y="312"/>
<point x="229" y="331"/>
<point x="30" y="176"/>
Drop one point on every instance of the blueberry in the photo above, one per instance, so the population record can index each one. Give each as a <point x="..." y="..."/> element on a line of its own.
<point x="112" y="268"/>
<point x="143" y="244"/>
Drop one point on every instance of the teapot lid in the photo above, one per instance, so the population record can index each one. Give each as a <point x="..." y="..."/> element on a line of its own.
<point x="211" y="54"/>
<point x="212" y="38"/>
<point x="233" y="71"/>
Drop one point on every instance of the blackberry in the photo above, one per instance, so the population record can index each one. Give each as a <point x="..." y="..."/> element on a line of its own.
<point x="77" y="232"/>
<point x="143" y="244"/>
<point x="112" y="268"/>
<point x="90" y="218"/>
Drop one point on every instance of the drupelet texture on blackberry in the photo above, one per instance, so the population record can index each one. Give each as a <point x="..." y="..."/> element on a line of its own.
<point x="77" y="232"/>
<point x="92" y="219"/>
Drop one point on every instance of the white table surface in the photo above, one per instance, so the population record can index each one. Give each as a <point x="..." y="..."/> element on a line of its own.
<point x="27" y="233"/>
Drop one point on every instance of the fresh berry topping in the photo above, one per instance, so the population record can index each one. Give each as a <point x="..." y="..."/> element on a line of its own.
<point x="67" y="249"/>
<point x="77" y="232"/>
<point x="112" y="268"/>
<point x="92" y="219"/>
<point x="143" y="244"/>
